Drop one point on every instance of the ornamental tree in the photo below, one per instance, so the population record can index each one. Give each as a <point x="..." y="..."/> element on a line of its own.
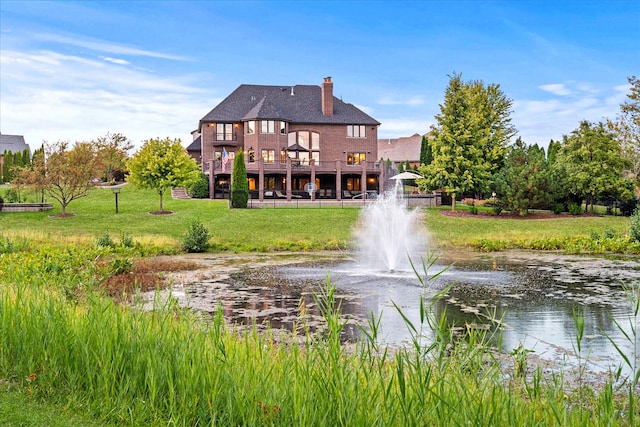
<point x="111" y="152"/>
<point x="469" y="140"/>
<point x="64" y="174"/>
<point x="592" y="163"/>
<point x="239" y="185"/>
<point x="161" y="164"/>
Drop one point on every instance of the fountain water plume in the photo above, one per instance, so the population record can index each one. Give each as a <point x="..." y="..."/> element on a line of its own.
<point x="390" y="234"/>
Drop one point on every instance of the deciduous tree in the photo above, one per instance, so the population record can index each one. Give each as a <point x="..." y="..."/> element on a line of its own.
<point x="469" y="139"/>
<point x="64" y="174"/>
<point x="592" y="161"/>
<point x="626" y="128"/>
<point x="112" y="153"/>
<point x="161" y="164"/>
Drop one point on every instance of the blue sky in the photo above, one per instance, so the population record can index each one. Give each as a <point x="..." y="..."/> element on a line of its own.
<point x="77" y="70"/>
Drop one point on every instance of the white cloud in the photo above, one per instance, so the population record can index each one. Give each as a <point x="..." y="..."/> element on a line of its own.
<point x="395" y="128"/>
<point x="556" y="89"/>
<point x="115" y="60"/>
<point x="50" y="96"/>
<point x="103" y="46"/>
<point x="539" y="121"/>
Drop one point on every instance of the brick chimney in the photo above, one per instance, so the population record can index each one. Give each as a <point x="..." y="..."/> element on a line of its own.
<point x="327" y="97"/>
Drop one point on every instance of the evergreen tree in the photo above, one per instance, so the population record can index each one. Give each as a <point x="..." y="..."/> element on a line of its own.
<point x="26" y="159"/>
<point x="8" y="166"/>
<point x="552" y="151"/>
<point x="239" y="184"/>
<point x="470" y="137"/>
<point x="523" y="182"/>
<point x="426" y="155"/>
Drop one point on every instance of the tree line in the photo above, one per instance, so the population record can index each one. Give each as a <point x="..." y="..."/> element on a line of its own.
<point x="66" y="172"/>
<point x="467" y="154"/>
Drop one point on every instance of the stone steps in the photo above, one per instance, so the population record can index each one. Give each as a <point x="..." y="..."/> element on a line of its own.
<point x="179" y="193"/>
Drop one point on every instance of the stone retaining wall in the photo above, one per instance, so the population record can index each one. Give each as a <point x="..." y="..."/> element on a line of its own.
<point x="25" y="207"/>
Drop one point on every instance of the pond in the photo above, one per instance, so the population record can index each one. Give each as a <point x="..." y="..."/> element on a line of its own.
<point x="534" y="295"/>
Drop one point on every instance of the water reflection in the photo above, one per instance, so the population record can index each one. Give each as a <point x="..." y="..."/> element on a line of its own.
<point x="535" y="296"/>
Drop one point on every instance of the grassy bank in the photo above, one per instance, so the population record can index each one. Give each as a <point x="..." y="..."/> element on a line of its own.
<point x="573" y="234"/>
<point x="248" y="230"/>
<point x="123" y="366"/>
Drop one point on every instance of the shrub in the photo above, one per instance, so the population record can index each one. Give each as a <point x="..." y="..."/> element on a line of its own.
<point x="575" y="209"/>
<point x="126" y="241"/>
<point x="473" y="209"/>
<point x="105" y="241"/>
<point x="634" y="226"/>
<point x="197" y="238"/>
<point x="200" y="188"/>
<point x="557" y="208"/>
<point x="120" y="266"/>
<point x="609" y="233"/>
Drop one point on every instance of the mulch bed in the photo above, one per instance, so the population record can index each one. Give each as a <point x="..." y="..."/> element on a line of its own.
<point x="509" y="215"/>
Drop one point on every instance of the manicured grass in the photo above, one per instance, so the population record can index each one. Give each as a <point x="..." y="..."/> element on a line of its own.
<point x="238" y="230"/>
<point x="263" y="230"/>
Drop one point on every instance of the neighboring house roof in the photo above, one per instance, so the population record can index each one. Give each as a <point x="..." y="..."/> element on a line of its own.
<point x="297" y="104"/>
<point x="196" y="145"/>
<point x="400" y="149"/>
<point x="13" y="143"/>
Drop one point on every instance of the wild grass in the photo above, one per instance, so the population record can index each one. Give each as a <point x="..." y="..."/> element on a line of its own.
<point x="573" y="234"/>
<point x="120" y="365"/>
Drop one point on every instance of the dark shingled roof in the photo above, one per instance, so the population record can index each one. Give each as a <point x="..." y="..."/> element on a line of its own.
<point x="13" y="143"/>
<point x="297" y="104"/>
<point x="196" y="145"/>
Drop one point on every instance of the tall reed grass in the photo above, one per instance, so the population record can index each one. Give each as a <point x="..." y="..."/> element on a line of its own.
<point x="170" y="366"/>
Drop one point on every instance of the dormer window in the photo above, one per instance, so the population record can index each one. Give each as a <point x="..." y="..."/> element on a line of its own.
<point x="356" y="131"/>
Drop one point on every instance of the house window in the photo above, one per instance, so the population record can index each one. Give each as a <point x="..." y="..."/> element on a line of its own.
<point x="356" y="158"/>
<point x="355" y="131"/>
<point x="251" y="127"/>
<point x="303" y="139"/>
<point x="269" y="182"/>
<point x="251" y="155"/>
<point x="315" y="141"/>
<point x="269" y="156"/>
<point x="268" y="126"/>
<point x="224" y="132"/>
<point x="315" y="155"/>
<point x="283" y="128"/>
<point x="353" y="184"/>
<point x="283" y="156"/>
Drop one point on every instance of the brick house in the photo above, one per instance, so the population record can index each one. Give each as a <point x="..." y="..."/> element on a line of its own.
<point x="291" y="136"/>
<point x="401" y="150"/>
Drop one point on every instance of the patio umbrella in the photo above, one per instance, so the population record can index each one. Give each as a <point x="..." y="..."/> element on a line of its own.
<point x="407" y="175"/>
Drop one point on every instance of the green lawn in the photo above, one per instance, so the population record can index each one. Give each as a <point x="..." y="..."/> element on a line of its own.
<point x="231" y="229"/>
<point x="247" y="230"/>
